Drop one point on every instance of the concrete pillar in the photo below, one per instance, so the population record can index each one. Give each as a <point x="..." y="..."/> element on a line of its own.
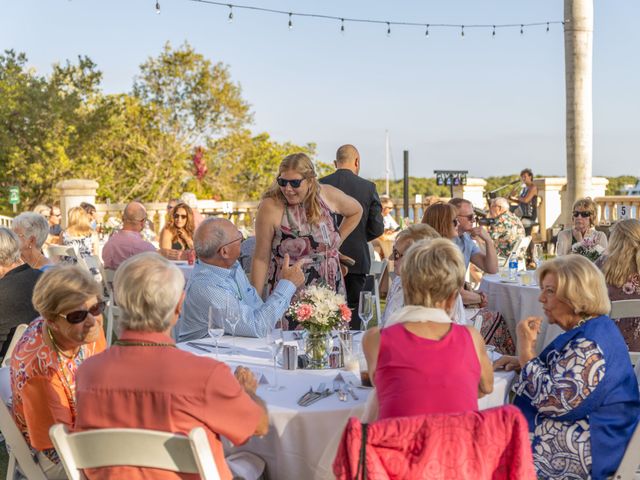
<point x="597" y="188"/>
<point x="73" y="192"/>
<point x="472" y="191"/>
<point x="550" y="211"/>
<point x="578" y="44"/>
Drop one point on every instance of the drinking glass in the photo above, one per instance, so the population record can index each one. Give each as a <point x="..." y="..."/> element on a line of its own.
<point x="232" y="316"/>
<point x="216" y="326"/>
<point x="275" y="343"/>
<point x="365" y="308"/>
<point x="538" y="254"/>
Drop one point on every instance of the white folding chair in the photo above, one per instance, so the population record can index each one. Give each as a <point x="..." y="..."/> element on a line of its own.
<point x="628" y="468"/>
<point x="56" y="252"/>
<point x="113" y="311"/>
<point x="134" y="447"/>
<point x="16" y="336"/>
<point x="19" y="452"/>
<point x="626" y="309"/>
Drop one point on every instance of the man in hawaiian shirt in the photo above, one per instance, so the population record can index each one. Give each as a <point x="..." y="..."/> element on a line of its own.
<point x="507" y="229"/>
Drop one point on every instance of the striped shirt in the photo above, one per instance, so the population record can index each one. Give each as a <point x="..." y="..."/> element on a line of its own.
<point x="210" y="285"/>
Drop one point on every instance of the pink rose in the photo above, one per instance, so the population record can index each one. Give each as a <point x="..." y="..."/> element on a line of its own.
<point x="295" y="247"/>
<point x="304" y="312"/>
<point x="345" y="313"/>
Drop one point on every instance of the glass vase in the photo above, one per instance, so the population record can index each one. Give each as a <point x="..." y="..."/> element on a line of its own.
<point x="318" y="348"/>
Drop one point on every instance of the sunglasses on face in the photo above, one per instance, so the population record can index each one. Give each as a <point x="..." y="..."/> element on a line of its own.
<point x="471" y="217"/>
<point x="78" y="316"/>
<point x="455" y="222"/>
<point x="294" y="183"/>
<point x="581" y="214"/>
<point x="396" y="255"/>
<point x="178" y="216"/>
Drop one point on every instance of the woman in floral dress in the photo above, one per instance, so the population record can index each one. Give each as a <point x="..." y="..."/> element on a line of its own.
<point x="620" y="265"/>
<point x="297" y="216"/>
<point x="580" y="395"/>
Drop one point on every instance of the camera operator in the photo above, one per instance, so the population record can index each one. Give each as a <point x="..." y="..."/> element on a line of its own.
<point x="506" y="229"/>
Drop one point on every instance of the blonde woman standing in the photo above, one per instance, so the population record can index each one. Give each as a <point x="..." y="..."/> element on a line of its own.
<point x="79" y="232"/>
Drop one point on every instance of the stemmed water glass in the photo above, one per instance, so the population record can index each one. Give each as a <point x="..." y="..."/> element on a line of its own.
<point x="232" y="317"/>
<point x="275" y="342"/>
<point x="538" y="254"/>
<point x="365" y="308"/>
<point x="216" y="326"/>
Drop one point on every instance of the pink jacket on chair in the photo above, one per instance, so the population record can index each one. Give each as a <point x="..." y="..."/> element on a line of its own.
<point x="492" y="444"/>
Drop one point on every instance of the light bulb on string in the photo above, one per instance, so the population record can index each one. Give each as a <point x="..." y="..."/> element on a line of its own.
<point x="230" y="13"/>
<point x="388" y="29"/>
<point x="290" y="22"/>
<point x="426" y="33"/>
<point x="462" y="31"/>
<point x="521" y="29"/>
<point x="493" y="34"/>
<point x="157" y="7"/>
<point x="342" y="25"/>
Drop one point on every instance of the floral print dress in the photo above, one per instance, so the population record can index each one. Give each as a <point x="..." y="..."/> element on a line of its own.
<point x="316" y="244"/>
<point x="630" y="327"/>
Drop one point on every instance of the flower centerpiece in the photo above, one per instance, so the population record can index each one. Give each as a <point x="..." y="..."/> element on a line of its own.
<point x="319" y="310"/>
<point x="588" y="248"/>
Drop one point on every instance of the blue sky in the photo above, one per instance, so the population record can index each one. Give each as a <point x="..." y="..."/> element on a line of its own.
<point x="488" y="105"/>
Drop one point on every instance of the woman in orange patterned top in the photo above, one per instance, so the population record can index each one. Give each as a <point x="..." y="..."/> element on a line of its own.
<point x="46" y="358"/>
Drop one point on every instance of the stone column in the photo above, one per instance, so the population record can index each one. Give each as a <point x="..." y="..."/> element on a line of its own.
<point x="73" y="192"/>
<point x="550" y="211"/>
<point x="578" y="45"/>
<point x="472" y="191"/>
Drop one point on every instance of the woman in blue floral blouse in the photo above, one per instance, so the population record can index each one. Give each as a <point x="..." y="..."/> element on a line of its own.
<point x="580" y="394"/>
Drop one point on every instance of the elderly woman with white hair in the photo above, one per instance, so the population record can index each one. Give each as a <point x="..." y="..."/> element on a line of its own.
<point x="506" y="229"/>
<point x="580" y="395"/>
<point x="32" y="229"/>
<point x="168" y="389"/>
<point x="47" y="356"/>
<point x="17" y="280"/>
<point x="422" y="362"/>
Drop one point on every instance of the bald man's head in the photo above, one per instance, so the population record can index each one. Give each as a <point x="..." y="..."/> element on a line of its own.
<point x="134" y="216"/>
<point x="348" y="157"/>
<point x="212" y="233"/>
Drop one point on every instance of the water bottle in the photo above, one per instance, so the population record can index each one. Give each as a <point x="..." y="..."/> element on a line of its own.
<point x="513" y="267"/>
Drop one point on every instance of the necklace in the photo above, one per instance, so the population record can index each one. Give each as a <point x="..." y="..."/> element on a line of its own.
<point x="125" y="343"/>
<point x="66" y="383"/>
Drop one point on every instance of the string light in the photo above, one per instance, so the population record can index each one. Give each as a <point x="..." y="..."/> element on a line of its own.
<point x="344" y="20"/>
<point x="158" y="7"/>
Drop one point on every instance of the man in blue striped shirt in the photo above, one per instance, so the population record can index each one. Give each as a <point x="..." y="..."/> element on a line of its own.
<point x="217" y="277"/>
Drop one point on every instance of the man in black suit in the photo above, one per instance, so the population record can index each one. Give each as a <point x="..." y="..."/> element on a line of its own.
<point x="371" y="225"/>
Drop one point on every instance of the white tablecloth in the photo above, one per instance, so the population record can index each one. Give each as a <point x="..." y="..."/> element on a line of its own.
<point x="516" y="302"/>
<point x="302" y="441"/>
<point x="185" y="268"/>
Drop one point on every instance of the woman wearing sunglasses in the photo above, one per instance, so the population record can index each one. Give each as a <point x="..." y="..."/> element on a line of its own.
<point x="584" y="219"/>
<point x="297" y="216"/>
<point x="176" y="238"/>
<point x="47" y="356"/>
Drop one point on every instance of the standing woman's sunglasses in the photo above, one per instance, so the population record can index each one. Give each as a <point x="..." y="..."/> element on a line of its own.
<point x="78" y="316"/>
<point x="294" y="183"/>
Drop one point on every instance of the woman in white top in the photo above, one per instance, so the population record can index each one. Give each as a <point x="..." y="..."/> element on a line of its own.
<point x="395" y="297"/>
<point x="584" y="219"/>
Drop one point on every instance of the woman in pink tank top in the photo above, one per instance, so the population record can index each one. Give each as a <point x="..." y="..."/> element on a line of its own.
<point x="422" y="363"/>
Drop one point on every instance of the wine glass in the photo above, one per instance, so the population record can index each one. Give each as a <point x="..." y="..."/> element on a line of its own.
<point x="216" y="326"/>
<point x="365" y="308"/>
<point x="275" y="343"/>
<point x="538" y="254"/>
<point x="232" y="316"/>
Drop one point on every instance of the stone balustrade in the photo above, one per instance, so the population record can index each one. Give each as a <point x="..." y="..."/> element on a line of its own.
<point x="6" y="221"/>
<point x="608" y="207"/>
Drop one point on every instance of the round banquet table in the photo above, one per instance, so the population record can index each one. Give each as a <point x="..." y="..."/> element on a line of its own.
<point x="516" y="302"/>
<point x="184" y="267"/>
<point x="302" y="441"/>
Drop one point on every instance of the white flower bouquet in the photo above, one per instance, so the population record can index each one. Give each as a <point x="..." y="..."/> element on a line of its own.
<point x="319" y="309"/>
